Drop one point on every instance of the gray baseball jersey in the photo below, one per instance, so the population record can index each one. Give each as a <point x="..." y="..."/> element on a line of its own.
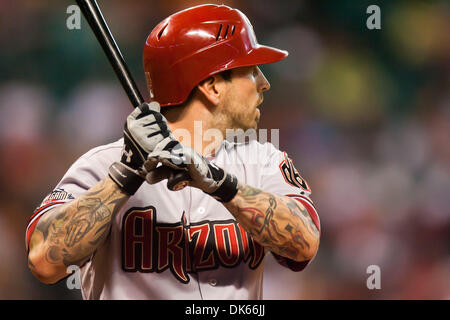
<point x="180" y="244"/>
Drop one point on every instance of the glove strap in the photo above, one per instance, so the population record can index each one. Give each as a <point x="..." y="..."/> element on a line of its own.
<point x="125" y="177"/>
<point x="227" y="190"/>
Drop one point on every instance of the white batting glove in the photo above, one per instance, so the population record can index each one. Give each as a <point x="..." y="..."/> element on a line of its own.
<point x="204" y="175"/>
<point x="144" y="129"/>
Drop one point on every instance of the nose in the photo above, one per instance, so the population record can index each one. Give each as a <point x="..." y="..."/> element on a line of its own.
<point x="263" y="83"/>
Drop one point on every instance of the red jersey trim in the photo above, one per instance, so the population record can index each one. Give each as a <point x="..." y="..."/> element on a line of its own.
<point x="34" y="219"/>
<point x="293" y="265"/>
<point x="309" y="207"/>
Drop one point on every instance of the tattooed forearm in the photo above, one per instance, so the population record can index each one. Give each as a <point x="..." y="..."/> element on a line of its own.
<point x="72" y="232"/>
<point x="279" y="223"/>
<point x="249" y="191"/>
<point x="91" y="212"/>
<point x="299" y="210"/>
<point x="262" y="220"/>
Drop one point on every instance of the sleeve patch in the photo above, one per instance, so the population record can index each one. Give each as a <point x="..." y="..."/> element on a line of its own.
<point x="57" y="195"/>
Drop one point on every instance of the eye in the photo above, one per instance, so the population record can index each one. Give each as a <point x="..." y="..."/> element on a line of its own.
<point x="255" y="71"/>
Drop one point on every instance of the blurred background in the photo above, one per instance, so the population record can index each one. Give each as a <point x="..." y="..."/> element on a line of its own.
<point x="365" y="114"/>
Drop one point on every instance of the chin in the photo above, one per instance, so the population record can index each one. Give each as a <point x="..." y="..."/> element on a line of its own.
<point x="245" y="123"/>
<point x="253" y="125"/>
<point x="248" y="126"/>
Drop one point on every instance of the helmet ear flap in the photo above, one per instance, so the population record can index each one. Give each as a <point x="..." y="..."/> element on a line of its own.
<point x="193" y="44"/>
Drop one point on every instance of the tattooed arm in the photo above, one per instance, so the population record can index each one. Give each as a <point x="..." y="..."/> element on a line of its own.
<point x="280" y="223"/>
<point x="70" y="233"/>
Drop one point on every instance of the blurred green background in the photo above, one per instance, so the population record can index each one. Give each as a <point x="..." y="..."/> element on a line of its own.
<point x="365" y="114"/>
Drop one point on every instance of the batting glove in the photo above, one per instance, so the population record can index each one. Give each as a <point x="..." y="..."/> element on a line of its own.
<point x="203" y="174"/>
<point x="145" y="128"/>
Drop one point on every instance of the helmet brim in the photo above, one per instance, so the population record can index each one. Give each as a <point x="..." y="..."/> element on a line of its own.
<point x="259" y="55"/>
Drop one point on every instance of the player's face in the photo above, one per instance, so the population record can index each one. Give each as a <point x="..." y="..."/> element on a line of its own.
<point x="238" y="108"/>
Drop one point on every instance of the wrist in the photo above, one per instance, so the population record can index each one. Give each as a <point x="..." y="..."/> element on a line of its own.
<point x="127" y="178"/>
<point x="227" y="189"/>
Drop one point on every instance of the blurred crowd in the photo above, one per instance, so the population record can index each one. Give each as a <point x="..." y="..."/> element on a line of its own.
<point x="364" y="114"/>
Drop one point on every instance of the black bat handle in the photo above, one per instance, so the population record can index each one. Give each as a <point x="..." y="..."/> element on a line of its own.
<point x="98" y="25"/>
<point x="92" y="13"/>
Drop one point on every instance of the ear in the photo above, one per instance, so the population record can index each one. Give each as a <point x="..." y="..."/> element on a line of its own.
<point x="212" y="88"/>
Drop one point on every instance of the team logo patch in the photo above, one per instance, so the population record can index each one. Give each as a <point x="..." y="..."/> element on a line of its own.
<point x="148" y="246"/>
<point x="57" y="195"/>
<point x="291" y="175"/>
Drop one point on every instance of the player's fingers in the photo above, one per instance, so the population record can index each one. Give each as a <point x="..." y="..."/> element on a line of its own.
<point x="195" y="165"/>
<point x="158" y="174"/>
<point x="173" y="162"/>
<point x="164" y="144"/>
<point x="147" y="108"/>
<point x="167" y="158"/>
<point x="150" y="164"/>
<point x="154" y="106"/>
<point x="136" y="112"/>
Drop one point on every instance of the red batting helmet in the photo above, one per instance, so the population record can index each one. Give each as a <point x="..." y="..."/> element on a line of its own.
<point x="193" y="44"/>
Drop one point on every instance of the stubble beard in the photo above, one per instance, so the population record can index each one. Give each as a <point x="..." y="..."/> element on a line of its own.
<point x="228" y="120"/>
<point x="229" y="116"/>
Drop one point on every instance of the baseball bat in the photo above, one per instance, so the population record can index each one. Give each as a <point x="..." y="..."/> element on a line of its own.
<point x="91" y="11"/>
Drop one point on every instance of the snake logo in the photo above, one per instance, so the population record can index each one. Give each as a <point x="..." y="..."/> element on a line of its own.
<point x="291" y="175"/>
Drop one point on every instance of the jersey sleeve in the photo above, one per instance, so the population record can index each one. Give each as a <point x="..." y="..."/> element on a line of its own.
<point x="279" y="176"/>
<point x="81" y="176"/>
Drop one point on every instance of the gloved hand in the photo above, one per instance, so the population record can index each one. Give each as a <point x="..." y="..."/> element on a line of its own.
<point x="203" y="174"/>
<point x="145" y="128"/>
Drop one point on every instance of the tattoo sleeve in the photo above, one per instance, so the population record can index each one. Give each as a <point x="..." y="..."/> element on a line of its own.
<point x="70" y="233"/>
<point x="281" y="224"/>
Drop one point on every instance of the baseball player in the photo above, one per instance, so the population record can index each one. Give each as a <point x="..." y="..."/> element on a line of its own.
<point x="113" y="214"/>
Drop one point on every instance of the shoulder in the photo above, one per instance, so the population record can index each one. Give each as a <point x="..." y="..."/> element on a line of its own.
<point x="107" y="150"/>
<point x="105" y="153"/>
<point x="98" y="158"/>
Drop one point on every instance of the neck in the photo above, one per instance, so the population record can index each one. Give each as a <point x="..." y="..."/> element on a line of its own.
<point x="192" y="125"/>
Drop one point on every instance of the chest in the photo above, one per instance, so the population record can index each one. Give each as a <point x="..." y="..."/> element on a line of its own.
<point x="184" y="231"/>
